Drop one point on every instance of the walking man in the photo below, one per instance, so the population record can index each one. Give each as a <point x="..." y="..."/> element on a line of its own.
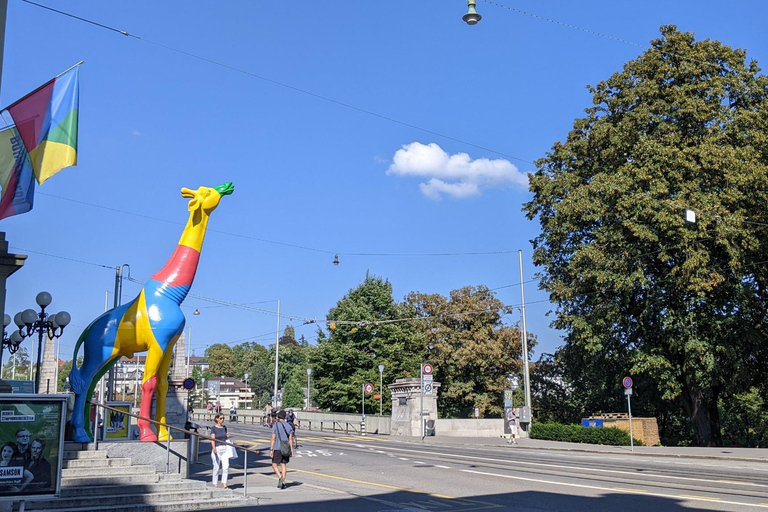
<point x="512" y="422"/>
<point x="281" y="447"/>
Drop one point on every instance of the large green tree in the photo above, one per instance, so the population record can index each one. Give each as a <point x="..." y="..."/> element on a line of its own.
<point x="368" y="328"/>
<point x="470" y="348"/>
<point x="638" y="289"/>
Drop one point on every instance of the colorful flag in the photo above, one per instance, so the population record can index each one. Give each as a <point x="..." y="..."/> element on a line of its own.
<point x="16" y="177"/>
<point x="46" y="119"/>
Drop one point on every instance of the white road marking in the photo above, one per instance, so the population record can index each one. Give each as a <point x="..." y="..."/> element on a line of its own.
<point x="629" y="491"/>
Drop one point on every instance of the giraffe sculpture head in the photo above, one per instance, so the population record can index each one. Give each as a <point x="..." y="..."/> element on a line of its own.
<point x="206" y="199"/>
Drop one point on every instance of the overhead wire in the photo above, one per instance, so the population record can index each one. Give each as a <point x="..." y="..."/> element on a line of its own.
<point x="280" y="84"/>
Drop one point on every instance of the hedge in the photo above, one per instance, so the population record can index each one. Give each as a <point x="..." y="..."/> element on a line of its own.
<point x="578" y="434"/>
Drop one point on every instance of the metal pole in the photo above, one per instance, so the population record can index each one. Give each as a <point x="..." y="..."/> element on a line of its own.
<point x="381" y="393"/>
<point x="40" y="329"/>
<point x="277" y="352"/>
<point x="245" y="473"/>
<point x="363" y="395"/>
<point x="526" y="376"/>
<point x="189" y="348"/>
<point x="116" y="302"/>
<point x="309" y="372"/>
<point x="421" y="395"/>
<point x="631" y="439"/>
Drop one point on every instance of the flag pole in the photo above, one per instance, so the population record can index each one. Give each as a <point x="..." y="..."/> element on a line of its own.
<point x="46" y="83"/>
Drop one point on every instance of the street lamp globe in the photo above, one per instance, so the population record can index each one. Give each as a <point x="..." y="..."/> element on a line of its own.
<point x="43" y="299"/>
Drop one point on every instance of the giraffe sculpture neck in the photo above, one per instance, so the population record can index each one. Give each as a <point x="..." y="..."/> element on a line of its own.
<point x="175" y="278"/>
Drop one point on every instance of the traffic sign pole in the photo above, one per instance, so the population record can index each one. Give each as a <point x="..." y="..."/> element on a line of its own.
<point x="627" y="382"/>
<point x="421" y="407"/>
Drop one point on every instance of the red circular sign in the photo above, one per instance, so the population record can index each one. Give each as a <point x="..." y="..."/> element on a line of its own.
<point x="627" y="381"/>
<point x="369" y="388"/>
<point x="427" y="369"/>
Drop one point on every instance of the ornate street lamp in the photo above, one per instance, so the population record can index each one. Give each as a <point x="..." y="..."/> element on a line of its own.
<point x="52" y="324"/>
<point x="12" y="342"/>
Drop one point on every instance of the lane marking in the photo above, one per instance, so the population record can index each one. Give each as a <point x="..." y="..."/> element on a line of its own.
<point x="375" y="484"/>
<point x="631" y="474"/>
<point x="601" y="488"/>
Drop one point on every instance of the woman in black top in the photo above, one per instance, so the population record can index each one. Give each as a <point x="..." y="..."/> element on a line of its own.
<point x="220" y="451"/>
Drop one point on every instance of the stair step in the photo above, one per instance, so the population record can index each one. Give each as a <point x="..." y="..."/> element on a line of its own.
<point x="107" y="471"/>
<point x="84" y="454"/>
<point x="173" y="506"/>
<point x="122" y="488"/>
<point x="110" y="500"/>
<point x="96" y="463"/>
<point x="119" y="479"/>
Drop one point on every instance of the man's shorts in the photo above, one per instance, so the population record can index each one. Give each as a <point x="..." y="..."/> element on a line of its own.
<point x="278" y="458"/>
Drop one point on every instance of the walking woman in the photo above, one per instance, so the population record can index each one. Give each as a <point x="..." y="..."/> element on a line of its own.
<point x="220" y="452"/>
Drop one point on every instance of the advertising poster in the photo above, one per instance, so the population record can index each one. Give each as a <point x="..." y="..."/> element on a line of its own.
<point x="119" y="423"/>
<point x="32" y="436"/>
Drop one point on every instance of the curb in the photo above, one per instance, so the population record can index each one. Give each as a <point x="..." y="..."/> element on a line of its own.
<point x="609" y="451"/>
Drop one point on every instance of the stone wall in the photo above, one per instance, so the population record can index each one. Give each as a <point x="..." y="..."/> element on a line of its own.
<point x="644" y="429"/>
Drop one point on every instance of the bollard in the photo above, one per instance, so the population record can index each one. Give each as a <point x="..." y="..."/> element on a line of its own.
<point x="362" y="427"/>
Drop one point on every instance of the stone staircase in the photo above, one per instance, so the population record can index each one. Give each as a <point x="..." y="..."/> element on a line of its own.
<point x="91" y="481"/>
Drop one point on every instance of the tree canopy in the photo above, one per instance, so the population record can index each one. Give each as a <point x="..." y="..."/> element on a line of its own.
<point x="640" y="291"/>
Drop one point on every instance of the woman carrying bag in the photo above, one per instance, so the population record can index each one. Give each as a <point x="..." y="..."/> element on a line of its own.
<point x="220" y="452"/>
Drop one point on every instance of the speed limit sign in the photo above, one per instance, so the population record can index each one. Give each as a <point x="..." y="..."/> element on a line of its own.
<point x="427" y="369"/>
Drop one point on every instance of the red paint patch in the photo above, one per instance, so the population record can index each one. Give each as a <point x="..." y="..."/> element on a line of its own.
<point x="181" y="267"/>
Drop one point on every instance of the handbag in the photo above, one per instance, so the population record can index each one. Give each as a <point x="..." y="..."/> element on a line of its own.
<point x="285" y="446"/>
<point x="231" y="452"/>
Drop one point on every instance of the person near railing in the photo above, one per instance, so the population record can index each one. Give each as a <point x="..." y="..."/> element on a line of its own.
<point x="220" y="452"/>
<point x="293" y="421"/>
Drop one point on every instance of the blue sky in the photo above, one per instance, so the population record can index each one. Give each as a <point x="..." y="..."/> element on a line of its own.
<point x="391" y="134"/>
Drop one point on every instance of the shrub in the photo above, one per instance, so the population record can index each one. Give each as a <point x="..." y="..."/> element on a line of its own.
<point x="578" y="434"/>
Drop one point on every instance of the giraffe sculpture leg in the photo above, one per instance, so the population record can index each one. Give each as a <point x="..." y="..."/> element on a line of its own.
<point x="162" y="390"/>
<point x="149" y="386"/>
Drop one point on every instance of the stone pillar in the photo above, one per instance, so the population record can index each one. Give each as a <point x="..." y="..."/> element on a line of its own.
<point x="48" y="366"/>
<point x="9" y="263"/>
<point x="406" y="406"/>
<point x="177" y="399"/>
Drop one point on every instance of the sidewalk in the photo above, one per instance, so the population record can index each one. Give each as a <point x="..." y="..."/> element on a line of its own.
<point x="723" y="453"/>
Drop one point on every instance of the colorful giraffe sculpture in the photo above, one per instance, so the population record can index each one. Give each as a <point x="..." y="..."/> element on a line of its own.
<point x="151" y="322"/>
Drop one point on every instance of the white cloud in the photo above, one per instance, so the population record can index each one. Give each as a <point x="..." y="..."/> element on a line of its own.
<point x="136" y="133"/>
<point x="453" y="175"/>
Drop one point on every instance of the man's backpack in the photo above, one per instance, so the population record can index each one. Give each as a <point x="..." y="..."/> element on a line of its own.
<point x="285" y="446"/>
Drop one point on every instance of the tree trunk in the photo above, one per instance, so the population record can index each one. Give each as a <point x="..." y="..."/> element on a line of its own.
<point x="705" y="417"/>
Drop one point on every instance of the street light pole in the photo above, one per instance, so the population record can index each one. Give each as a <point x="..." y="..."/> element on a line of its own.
<point x="277" y="354"/>
<point x="381" y="389"/>
<point x="526" y="377"/>
<point x="309" y="372"/>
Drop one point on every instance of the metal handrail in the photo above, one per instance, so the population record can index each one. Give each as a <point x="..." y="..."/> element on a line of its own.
<point x="168" y="446"/>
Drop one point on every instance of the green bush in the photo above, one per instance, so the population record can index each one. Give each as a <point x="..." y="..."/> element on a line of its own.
<point x="578" y="434"/>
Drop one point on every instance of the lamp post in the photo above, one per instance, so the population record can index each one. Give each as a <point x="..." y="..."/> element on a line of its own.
<point x="189" y="342"/>
<point x="12" y="341"/>
<point x="52" y="324"/>
<point x="309" y="372"/>
<point x="381" y="389"/>
<point x="277" y="354"/>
